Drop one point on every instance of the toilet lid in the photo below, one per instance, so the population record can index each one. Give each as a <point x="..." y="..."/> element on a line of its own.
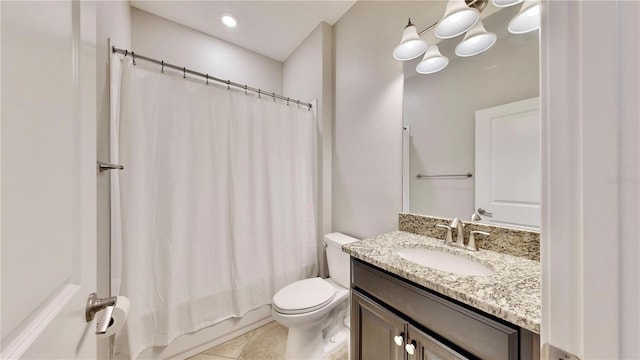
<point x="303" y="296"/>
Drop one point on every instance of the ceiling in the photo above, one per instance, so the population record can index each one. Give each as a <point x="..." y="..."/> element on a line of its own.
<point x="271" y="28"/>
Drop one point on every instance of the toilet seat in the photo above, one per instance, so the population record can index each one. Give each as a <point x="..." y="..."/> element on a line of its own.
<point x="304" y="296"/>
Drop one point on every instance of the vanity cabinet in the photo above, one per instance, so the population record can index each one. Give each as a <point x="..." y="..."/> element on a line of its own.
<point x="392" y="318"/>
<point x="381" y="334"/>
<point x="378" y="330"/>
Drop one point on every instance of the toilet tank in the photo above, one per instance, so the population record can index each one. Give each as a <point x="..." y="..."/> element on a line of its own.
<point x="337" y="260"/>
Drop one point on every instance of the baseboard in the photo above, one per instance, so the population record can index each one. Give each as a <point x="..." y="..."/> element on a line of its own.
<point x="192" y="344"/>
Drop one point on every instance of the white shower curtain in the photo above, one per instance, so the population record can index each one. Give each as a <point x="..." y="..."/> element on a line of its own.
<point x="214" y="211"/>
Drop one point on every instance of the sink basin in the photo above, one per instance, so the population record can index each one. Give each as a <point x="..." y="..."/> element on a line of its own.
<point x="443" y="261"/>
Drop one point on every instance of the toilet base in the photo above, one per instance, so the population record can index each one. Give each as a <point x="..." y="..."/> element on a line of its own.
<point x="306" y="344"/>
<point x="335" y="341"/>
<point x="316" y="342"/>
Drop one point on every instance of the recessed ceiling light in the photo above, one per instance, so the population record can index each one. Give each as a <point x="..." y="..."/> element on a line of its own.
<point x="229" y="20"/>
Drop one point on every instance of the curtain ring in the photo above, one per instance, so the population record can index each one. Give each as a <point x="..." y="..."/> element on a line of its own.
<point x="259" y="91"/>
<point x="133" y="55"/>
<point x="228" y="83"/>
<point x="125" y="52"/>
<point x="245" y="89"/>
<point x="287" y="101"/>
<point x="309" y="107"/>
<point x="184" y="72"/>
<point x="207" y="79"/>
<point x="274" y="97"/>
<point x="298" y="104"/>
<point x="162" y="68"/>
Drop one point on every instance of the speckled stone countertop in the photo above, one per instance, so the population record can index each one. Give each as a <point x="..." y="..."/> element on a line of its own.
<point x="512" y="293"/>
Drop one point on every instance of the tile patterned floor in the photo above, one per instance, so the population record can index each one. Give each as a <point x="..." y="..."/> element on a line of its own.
<point x="265" y="343"/>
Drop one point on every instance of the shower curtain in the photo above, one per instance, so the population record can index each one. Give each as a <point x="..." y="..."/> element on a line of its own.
<point x="214" y="211"/>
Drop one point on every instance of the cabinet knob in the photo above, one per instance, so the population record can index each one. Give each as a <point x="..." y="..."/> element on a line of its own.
<point x="411" y="348"/>
<point x="398" y="340"/>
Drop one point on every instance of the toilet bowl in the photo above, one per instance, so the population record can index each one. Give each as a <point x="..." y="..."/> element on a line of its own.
<point x="315" y="309"/>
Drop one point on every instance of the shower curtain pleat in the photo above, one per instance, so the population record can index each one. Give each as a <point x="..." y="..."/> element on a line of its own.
<point x="214" y="211"/>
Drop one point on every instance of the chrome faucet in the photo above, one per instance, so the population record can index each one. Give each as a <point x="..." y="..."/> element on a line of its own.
<point x="459" y="226"/>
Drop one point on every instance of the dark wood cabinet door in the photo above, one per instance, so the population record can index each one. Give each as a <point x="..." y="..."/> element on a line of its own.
<point x="428" y="348"/>
<point x="375" y="330"/>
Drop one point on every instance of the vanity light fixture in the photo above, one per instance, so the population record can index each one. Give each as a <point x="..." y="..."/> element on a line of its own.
<point x="463" y="16"/>
<point x="476" y="41"/>
<point x="457" y="18"/>
<point x="229" y="20"/>
<point x="433" y="61"/>
<point x="411" y="45"/>
<point x="528" y="19"/>
<point x="506" y="3"/>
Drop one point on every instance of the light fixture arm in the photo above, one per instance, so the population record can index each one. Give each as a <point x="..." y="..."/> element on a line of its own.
<point x="409" y="23"/>
<point x="477" y="4"/>
<point x="427" y="29"/>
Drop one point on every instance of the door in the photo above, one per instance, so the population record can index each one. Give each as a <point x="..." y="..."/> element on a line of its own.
<point x="376" y="333"/>
<point x="590" y="253"/>
<point x="508" y="164"/>
<point x="48" y="178"/>
<point x="426" y="347"/>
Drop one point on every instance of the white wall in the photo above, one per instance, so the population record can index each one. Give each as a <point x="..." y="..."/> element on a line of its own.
<point x="308" y="75"/>
<point x="440" y="108"/>
<point x="162" y="39"/>
<point x="367" y="157"/>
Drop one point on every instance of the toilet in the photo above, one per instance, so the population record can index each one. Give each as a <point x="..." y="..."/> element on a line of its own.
<point x="316" y="310"/>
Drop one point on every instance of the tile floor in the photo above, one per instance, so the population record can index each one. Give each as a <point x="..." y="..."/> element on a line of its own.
<point x="264" y="343"/>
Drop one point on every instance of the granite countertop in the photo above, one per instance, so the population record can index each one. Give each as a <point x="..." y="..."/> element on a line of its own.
<point x="511" y="294"/>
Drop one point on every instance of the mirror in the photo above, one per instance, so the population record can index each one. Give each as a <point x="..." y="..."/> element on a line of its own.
<point x="439" y="111"/>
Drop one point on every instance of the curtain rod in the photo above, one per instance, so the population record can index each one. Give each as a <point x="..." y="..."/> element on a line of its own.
<point x="208" y="77"/>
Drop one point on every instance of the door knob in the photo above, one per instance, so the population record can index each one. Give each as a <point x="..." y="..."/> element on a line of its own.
<point x="484" y="212"/>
